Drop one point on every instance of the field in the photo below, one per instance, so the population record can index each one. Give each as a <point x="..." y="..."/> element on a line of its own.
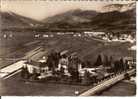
<point x="89" y="48"/>
<point x="121" y="89"/>
<point x="86" y="48"/>
<point x="12" y="87"/>
<point x="14" y="48"/>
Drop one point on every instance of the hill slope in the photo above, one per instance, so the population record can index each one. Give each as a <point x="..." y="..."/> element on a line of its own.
<point x="114" y="17"/>
<point x="12" y="20"/>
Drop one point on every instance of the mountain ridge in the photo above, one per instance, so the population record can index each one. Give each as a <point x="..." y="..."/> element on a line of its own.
<point x="10" y="19"/>
<point x="77" y="19"/>
<point x="119" y="7"/>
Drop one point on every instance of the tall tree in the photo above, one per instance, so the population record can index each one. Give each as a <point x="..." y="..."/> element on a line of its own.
<point x="121" y="64"/>
<point x="98" y="61"/>
<point x="110" y="61"/>
<point x="106" y="61"/>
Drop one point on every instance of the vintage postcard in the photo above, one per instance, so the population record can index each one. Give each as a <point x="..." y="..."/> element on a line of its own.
<point x="67" y="48"/>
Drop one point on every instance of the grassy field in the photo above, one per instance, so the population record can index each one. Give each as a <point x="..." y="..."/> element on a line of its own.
<point x="85" y="47"/>
<point x="15" y="86"/>
<point x="14" y="48"/>
<point x="120" y="89"/>
<point x="89" y="48"/>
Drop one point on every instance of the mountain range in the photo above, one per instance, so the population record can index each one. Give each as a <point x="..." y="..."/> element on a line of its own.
<point x="119" y="7"/>
<point x="12" y="20"/>
<point x="113" y="17"/>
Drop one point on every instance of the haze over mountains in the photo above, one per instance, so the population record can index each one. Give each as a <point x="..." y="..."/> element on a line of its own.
<point x="114" y="17"/>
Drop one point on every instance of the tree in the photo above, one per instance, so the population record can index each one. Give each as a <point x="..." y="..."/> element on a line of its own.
<point x="106" y="61"/>
<point x="98" y="61"/>
<point x="111" y="64"/>
<point x="86" y="79"/>
<point x="24" y="72"/>
<point x="110" y="61"/>
<point x="49" y="62"/>
<point x="53" y="60"/>
<point x="62" y="70"/>
<point x="43" y="64"/>
<point x="126" y="65"/>
<point x="88" y="64"/>
<point x="115" y="66"/>
<point x="83" y="64"/>
<point x="121" y="64"/>
<point x="74" y="74"/>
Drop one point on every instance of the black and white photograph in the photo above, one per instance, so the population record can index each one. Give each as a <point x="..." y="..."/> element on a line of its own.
<point x="68" y="48"/>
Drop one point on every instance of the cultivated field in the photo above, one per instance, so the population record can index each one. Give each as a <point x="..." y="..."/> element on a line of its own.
<point x="89" y="48"/>
<point x="86" y="48"/>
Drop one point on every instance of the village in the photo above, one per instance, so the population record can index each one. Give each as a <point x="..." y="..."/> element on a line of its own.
<point x="65" y="67"/>
<point x="106" y="36"/>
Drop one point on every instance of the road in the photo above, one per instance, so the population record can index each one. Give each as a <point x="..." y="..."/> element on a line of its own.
<point x="14" y="68"/>
<point x="14" y="85"/>
<point x="11" y="68"/>
<point x="106" y="83"/>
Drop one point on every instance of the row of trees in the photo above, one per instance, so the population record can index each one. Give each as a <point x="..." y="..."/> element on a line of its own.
<point x="53" y="60"/>
<point x="116" y="66"/>
<point x="105" y="62"/>
<point x="120" y="66"/>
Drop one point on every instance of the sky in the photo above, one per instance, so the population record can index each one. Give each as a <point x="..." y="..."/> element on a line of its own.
<point x="40" y="9"/>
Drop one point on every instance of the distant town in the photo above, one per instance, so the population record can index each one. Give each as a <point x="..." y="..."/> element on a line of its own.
<point x="121" y="37"/>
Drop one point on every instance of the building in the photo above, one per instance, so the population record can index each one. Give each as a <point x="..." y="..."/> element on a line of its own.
<point x="89" y="33"/>
<point x="38" y="68"/>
